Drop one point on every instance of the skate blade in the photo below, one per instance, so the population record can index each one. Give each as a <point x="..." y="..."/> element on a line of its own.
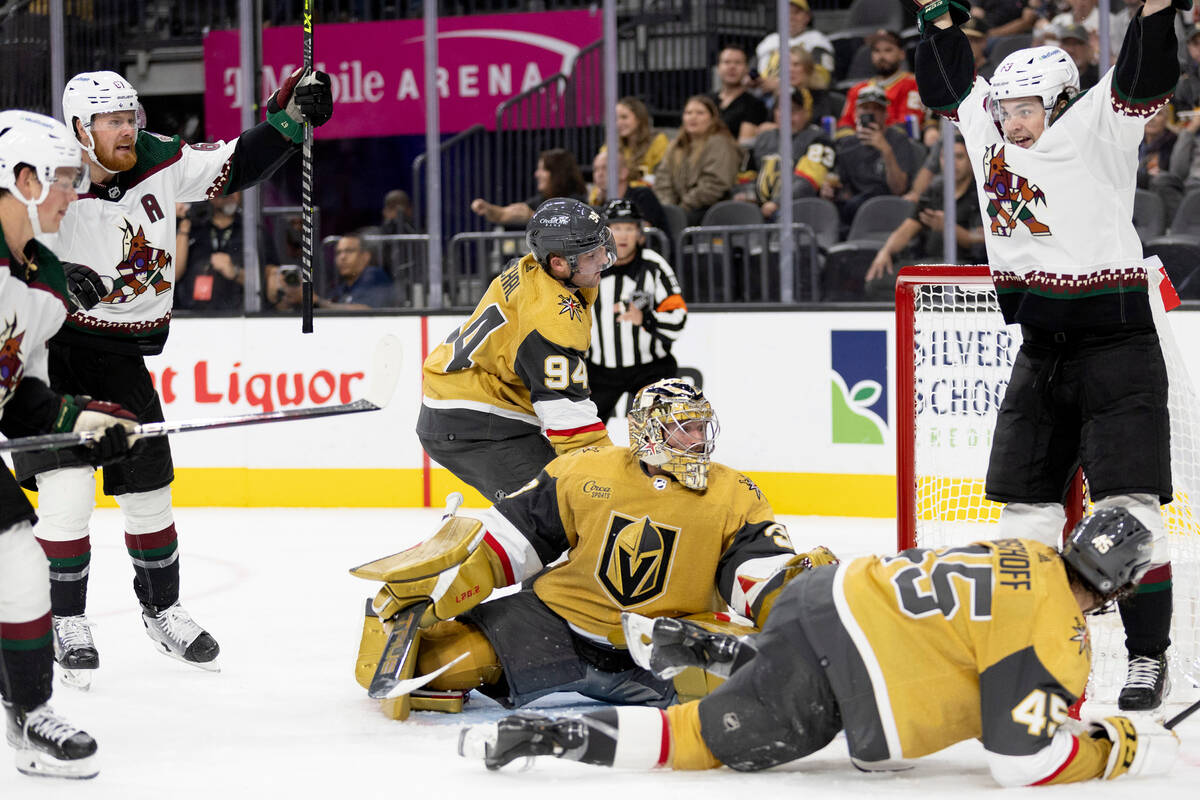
<point x="207" y="666"/>
<point x="80" y="679"/>
<point x="43" y="765"/>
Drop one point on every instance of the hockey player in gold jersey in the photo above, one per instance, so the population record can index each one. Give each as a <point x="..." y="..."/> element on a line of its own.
<point x="908" y="654"/>
<point x="508" y="389"/>
<point x="656" y="527"/>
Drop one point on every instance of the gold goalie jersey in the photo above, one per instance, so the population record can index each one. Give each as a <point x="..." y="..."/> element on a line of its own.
<point x="928" y="648"/>
<point x="638" y="543"/>
<point x="516" y="365"/>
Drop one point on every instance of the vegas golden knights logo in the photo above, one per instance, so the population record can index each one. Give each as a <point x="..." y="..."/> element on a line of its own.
<point x="636" y="560"/>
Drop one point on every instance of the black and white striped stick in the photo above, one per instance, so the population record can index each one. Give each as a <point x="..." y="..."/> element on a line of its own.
<point x="306" y="186"/>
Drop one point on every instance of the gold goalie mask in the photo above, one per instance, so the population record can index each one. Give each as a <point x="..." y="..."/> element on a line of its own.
<point x="672" y="427"/>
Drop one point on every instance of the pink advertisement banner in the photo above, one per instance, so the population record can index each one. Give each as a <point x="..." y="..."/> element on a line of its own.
<point x="378" y="69"/>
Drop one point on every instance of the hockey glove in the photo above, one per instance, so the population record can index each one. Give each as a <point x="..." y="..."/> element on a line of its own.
<point x="1139" y="747"/>
<point x="84" y="287"/>
<point x="1182" y="5"/>
<point x="114" y="424"/>
<point x="303" y="98"/>
<point x="929" y="10"/>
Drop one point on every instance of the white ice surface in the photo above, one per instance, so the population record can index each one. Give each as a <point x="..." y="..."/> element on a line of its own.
<point x="285" y="719"/>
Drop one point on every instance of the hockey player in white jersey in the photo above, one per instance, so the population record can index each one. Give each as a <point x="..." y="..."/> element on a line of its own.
<point x="124" y="228"/>
<point x="1057" y="173"/>
<point x="40" y="174"/>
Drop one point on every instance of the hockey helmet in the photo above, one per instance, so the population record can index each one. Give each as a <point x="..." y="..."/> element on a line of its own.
<point x="44" y="144"/>
<point x="92" y="93"/>
<point x="1046" y="72"/>
<point x="657" y="419"/>
<point x="568" y="228"/>
<point x="1110" y="550"/>
<point x="622" y="211"/>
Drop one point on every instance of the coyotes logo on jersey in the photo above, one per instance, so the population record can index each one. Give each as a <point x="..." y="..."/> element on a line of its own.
<point x="141" y="269"/>
<point x="11" y="366"/>
<point x="636" y="559"/>
<point x="1010" y="197"/>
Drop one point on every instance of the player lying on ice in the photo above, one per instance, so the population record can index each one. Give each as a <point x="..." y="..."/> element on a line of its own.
<point x="655" y="526"/>
<point x="908" y="654"/>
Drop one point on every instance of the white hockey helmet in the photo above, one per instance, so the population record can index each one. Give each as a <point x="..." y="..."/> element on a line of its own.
<point x="43" y="143"/>
<point x="1046" y="72"/>
<point x="92" y="93"/>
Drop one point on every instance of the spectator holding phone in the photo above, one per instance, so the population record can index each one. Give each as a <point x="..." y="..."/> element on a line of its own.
<point x="875" y="160"/>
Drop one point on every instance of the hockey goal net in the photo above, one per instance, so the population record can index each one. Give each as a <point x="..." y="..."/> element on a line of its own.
<point x="954" y="354"/>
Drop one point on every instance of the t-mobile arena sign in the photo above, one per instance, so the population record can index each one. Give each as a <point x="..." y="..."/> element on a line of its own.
<point x="378" y="69"/>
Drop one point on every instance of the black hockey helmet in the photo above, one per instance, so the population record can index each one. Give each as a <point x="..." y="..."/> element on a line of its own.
<point x="622" y="211"/>
<point x="567" y="228"/>
<point x="1110" y="550"/>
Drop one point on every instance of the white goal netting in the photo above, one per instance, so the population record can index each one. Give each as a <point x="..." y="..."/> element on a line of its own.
<point x="961" y="355"/>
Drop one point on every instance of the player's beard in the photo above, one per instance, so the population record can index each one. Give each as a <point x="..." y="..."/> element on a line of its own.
<point x="113" y="161"/>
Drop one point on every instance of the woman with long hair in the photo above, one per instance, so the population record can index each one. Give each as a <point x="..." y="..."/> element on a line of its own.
<point x="557" y="175"/>
<point x="701" y="163"/>
<point x="640" y="145"/>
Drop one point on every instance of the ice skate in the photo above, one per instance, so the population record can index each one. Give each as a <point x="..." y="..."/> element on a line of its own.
<point x="522" y="735"/>
<point x="75" y="651"/>
<point x="47" y="745"/>
<point x="177" y="635"/>
<point x="1145" y="683"/>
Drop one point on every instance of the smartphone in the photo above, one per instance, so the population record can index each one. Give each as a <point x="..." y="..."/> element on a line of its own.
<point x="866" y="119"/>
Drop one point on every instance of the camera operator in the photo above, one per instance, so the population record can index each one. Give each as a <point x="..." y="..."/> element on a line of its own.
<point x="282" y="288"/>
<point x="209" y="268"/>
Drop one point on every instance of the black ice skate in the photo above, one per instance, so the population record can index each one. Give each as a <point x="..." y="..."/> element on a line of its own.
<point x="75" y="651"/>
<point x="47" y="745"/>
<point x="1145" y="683"/>
<point x="675" y="645"/>
<point x="177" y="635"/>
<point x="522" y="735"/>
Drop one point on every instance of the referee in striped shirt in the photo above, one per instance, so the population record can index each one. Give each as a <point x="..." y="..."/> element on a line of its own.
<point x="637" y="316"/>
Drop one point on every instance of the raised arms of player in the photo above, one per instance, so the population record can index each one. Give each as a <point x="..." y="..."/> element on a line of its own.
<point x="557" y="379"/>
<point x="1147" y="68"/>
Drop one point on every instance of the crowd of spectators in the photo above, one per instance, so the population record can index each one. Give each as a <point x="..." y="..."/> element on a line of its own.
<point x="853" y="140"/>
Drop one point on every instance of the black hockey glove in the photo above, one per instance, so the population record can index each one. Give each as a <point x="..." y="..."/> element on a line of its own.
<point x="1182" y="5"/>
<point x="929" y="10"/>
<point x="84" y="286"/>
<point x="303" y="98"/>
<point x="112" y="422"/>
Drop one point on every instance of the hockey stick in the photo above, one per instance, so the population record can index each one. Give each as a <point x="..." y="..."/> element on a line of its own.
<point x="1182" y="715"/>
<point x="306" y="187"/>
<point x="412" y="684"/>
<point x="385" y="371"/>
<point x="396" y="660"/>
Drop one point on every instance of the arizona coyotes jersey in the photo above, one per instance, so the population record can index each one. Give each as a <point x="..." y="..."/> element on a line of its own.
<point x="126" y="233"/>
<point x="516" y="365"/>
<point x="636" y="542"/>
<point x="1058" y="216"/>
<point x="30" y="313"/>
<point x="931" y="647"/>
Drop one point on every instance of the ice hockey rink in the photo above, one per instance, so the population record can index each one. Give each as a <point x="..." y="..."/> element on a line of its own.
<point x="284" y="716"/>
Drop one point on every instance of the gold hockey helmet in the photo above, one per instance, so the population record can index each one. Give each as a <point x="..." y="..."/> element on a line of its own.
<point x="660" y="435"/>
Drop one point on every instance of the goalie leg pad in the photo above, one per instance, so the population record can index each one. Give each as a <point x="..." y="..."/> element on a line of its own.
<point x="370" y="647"/>
<point x="444" y="642"/>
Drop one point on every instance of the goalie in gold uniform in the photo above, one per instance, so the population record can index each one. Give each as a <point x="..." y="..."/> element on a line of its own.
<point x="656" y="527"/>
<point x="508" y="389"/>
<point x="908" y="654"/>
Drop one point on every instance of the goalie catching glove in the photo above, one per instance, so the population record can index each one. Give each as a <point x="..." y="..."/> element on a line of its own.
<point x="455" y="570"/>
<point x="1139" y="746"/>
<point x="112" y="422"/>
<point x="304" y="98"/>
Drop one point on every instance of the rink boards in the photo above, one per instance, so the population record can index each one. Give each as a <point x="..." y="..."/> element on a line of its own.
<point x="806" y="402"/>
